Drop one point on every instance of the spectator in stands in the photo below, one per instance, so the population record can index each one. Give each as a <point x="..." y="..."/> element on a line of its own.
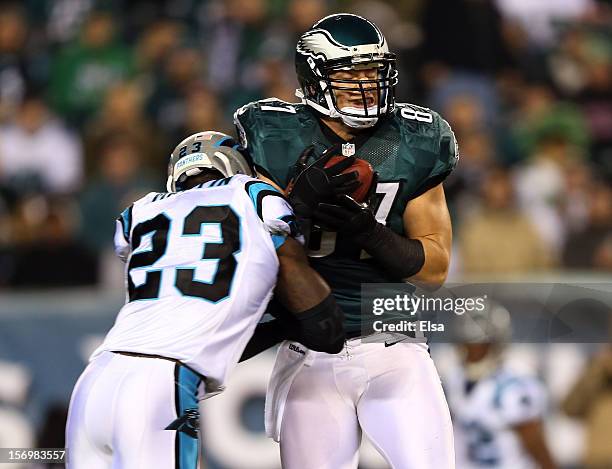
<point x="595" y="99"/>
<point x="539" y="19"/>
<point x="36" y="147"/>
<point x="156" y="43"/>
<point x="591" y="401"/>
<point x="121" y="178"/>
<point x="553" y="135"/>
<point x="47" y="252"/>
<point x="123" y="113"/>
<point x="14" y="67"/>
<point x="233" y="37"/>
<point x="167" y="104"/>
<point x="591" y="246"/>
<point x="541" y="117"/>
<point x="499" y="238"/>
<point x="477" y="44"/>
<point x="462" y="188"/>
<point x="203" y="111"/>
<point x="84" y="70"/>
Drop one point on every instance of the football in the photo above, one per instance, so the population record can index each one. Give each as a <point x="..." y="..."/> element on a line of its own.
<point x="366" y="175"/>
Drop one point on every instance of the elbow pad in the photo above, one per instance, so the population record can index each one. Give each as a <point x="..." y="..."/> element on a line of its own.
<point x="321" y="328"/>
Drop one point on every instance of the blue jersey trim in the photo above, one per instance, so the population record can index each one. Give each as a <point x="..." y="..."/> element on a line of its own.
<point x="278" y="240"/>
<point x="257" y="191"/>
<point x="503" y="384"/>
<point x="126" y="222"/>
<point x="221" y="140"/>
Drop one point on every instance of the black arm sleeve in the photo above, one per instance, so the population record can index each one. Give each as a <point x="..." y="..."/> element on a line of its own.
<point x="321" y="328"/>
<point x="266" y="335"/>
<point x="401" y="257"/>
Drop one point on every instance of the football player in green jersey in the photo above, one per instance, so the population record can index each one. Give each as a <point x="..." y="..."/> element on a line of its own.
<point x="318" y="405"/>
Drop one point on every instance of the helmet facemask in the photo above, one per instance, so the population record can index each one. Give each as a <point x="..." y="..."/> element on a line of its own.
<point x="379" y="90"/>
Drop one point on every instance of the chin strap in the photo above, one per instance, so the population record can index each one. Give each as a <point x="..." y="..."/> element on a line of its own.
<point x="359" y="122"/>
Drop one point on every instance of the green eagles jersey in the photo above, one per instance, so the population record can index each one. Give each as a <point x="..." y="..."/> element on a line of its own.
<point x="413" y="150"/>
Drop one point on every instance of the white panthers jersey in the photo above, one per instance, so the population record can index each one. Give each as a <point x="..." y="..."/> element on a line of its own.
<point x="201" y="265"/>
<point x="485" y="414"/>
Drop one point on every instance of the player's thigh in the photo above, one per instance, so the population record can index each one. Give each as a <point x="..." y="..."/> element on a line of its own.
<point x="404" y="412"/>
<point x="151" y="400"/>
<point x="319" y="428"/>
<point x="88" y="418"/>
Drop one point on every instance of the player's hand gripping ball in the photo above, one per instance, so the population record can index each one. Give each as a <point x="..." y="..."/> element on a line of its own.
<point x="365" y="175"/>
<point x="319" y="182"/>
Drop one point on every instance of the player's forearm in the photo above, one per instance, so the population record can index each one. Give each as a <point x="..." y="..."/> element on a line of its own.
<point x="435" y="268"/>
<point x="320" y="327"/>
<point x="313" y="317"/>
<point x="426" y="218"/>
<point x="531" y="435"/>
<point x="316" y="320"/>
<point x="299" y="287"/>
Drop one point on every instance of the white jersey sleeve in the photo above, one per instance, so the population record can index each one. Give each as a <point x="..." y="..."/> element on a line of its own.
<point x="273" y="210"/>
<point x="123" y="228"/>
<point x="521" y="400"/>
<point x="122" y="236"/>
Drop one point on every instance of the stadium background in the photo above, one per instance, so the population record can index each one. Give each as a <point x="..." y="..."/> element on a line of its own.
<point x="94" y="94"/>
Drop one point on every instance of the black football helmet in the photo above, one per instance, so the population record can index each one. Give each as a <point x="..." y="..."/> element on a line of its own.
<point x="345" y="42"/>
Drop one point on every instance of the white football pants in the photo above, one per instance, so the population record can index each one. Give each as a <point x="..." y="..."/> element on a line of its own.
<point x="120" y="409"/>
<point x="393" y="394"/>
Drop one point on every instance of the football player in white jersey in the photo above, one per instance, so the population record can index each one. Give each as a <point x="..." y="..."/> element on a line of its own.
<point x="497" y="413"/>
<point x="202" y="262"/>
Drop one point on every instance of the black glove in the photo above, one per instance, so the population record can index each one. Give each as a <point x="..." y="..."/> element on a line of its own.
<point x="314" y="183"/>
<point x="345" y="216"/>
<point x="400" y="257"/>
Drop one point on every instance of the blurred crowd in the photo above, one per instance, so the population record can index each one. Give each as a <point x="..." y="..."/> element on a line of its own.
<point x="95" y="94"/>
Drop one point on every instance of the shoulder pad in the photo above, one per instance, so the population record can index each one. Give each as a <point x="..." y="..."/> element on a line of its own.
<point x="432" y="125"/>
<point x="514" y="387"/>
<point x="414" y="113"/>
<point x="241" y="179"/>
<point x="268" y="104"/>
<point x="150" y="197"/>
<point x="519" y="399"/>
<point x="247" y="118"/>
